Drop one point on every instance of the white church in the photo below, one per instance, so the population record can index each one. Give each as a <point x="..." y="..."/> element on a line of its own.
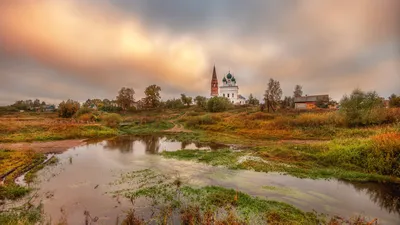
<point x="229" y="88"/>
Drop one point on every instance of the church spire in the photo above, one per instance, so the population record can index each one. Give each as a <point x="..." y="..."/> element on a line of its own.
<point x="214" y="83"/>
<point x="214" y="76"/>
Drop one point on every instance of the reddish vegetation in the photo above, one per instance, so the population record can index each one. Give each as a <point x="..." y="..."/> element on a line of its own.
<point x="43" y="147"/>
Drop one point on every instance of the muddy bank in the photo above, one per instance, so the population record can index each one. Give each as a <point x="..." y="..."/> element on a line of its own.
<point x="43" y="147"/>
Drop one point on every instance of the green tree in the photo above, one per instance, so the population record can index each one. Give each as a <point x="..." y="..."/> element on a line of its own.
<point x="394" y="101"/>
<point x="174" y="104"/>
<point x="201" y="102"/>
<point x="273" y="95"/>
<point x="125" y="98"/>
<point x="218" y="104"/>
<point x="153" y="98"/>
<point x="252" y="100"/>
<point x="67" y="109"/>
<point x="287" y="102"/>
<point x="362" y="108"/>
<point x="186" y="100"/>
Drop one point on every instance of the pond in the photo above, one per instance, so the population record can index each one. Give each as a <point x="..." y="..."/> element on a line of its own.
<point x="80" y="181"/>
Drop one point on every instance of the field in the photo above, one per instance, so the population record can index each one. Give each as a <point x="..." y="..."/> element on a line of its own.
<point x="315" y="145"/>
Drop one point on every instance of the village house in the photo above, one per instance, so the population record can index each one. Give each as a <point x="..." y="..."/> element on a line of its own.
<point x="310" y="101"/>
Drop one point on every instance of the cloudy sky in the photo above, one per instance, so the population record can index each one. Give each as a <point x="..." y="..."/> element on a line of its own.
<point x="80" y="49"/>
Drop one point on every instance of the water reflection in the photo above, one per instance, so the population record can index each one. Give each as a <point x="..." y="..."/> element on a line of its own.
<point x="100" y="162"/>
<point x="387" y="196"/>
<point x="154" y="144"/>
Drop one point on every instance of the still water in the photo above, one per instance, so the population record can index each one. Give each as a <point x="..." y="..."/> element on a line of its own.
<point x="81" y="179"/>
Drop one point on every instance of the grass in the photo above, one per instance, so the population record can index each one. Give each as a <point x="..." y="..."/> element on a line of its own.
<point x="173" y="201"/>
<point x="22" y="216"/>
<point x="373" y="159"/>
<point x="14" y="164"/>
<point x="147" y="128"/>
<point x="48" y="127"/>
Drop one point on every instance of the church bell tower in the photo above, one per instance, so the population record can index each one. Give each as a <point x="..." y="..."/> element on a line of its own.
<point x="214" y="84"/>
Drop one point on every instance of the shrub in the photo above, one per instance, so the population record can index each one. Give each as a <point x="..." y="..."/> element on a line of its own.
<point x="68" y="108"/>
<point x="81" y="111"/>
<point x="111" y="119"/>
<point x="384" y="157"/>
<point x="362" y="108"/>
<point x="201" y="120"/>
<point x="218" y="104"/>
<point x="86" y="117"/>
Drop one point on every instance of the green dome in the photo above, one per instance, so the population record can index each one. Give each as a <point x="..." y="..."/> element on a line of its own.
<point x="233" y="79"/>
<point x="229" y="76"/>
<point x="224" y="80"/>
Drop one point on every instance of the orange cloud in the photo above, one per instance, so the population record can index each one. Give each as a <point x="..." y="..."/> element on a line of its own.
<point x="89" y="40"/>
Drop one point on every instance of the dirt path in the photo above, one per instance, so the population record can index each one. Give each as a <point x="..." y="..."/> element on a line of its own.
<point x="43" y="147"/>
<point x="178" y="127"/>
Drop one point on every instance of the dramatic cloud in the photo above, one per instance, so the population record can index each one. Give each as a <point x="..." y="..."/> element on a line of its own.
<point x="55" y="49"/>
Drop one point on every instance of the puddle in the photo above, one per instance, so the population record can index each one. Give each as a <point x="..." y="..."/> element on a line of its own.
<point x="80" y="182"/>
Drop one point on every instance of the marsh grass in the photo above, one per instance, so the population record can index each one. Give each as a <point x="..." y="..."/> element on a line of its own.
<point x="372" y="159"/>
<point x="182" y="204"/>
<point x="26" y="215"/>
<point x="208" y="205"/>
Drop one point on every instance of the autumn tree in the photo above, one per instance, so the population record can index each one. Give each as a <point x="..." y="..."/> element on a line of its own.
<point x="125" y="98"/>
<point x="201" y="102"/>
<point x="67" y="109"/>
<point x="252" y="100"/>
<point x="272" y="95"/>
<point x="186" y="100"/>
<point x="153" y="98"/>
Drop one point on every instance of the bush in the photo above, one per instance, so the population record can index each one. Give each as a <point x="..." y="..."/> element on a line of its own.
<point x="68" y="109"/>
<point x="87" y="117"/>
<point x="111" y="119"/>
<point x="81" y="111"/>
<point x="384" y="157"/>
<point x="201" y="120"/>
<point x="218" y="104"/>
<point x="362" y="108"/>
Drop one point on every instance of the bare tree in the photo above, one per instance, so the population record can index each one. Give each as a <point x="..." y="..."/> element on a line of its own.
<point x="273" y="95"/>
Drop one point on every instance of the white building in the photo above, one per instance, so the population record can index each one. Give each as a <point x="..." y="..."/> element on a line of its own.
<point x="230" y="90"/>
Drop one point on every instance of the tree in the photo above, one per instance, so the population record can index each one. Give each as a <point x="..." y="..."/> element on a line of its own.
<point x="186" y="100"/>
<point x="67" y="109"/>
<point x="362" y="108"/>
<point x="298" y="91"/>
<point x="43" y="103"/>
<point x="252" y="100"/>
<point x="394" y="101"/>
<point x="174" y="104"/>
<point x="125" y="98"/>
<point x="287" y="102"/>
<point x="36" y="103"/>
<point x="272" y="95"/>
<point x="153" y="98"/>
<point x="218" y="104"/>
<point x="201" y="102"/>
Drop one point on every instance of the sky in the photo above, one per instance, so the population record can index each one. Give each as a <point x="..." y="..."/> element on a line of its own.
<point x="78" y="49"/>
